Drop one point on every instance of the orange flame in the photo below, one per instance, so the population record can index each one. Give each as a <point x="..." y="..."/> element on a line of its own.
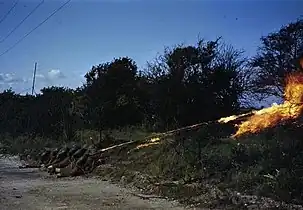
<point x="152" y="141"/>
<point x="271" y="116"/>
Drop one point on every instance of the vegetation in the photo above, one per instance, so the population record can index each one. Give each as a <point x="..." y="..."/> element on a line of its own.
<point x="183" y="86"/>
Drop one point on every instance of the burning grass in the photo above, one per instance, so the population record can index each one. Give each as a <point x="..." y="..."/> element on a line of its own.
<point x="271" y="116"/>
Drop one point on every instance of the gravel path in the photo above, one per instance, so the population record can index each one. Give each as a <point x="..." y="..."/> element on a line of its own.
<point x="29" y="189"/>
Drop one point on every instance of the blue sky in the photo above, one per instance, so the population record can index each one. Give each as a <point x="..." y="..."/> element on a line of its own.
<point x="88" y="32"/>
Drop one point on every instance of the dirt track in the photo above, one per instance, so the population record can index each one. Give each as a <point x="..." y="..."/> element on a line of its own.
<point x="30" y="189"/>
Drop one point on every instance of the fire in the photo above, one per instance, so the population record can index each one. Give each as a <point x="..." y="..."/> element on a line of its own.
<point x="232" y="117"/>
<point x="268" y="117"/>
<point x="152" y="141"/>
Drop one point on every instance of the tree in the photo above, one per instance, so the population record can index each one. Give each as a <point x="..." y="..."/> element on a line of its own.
<point x="112" y="91"/>
<point x="196" y="83"/>
<point x="276" y="58"/>
<point x="53" y="112"/>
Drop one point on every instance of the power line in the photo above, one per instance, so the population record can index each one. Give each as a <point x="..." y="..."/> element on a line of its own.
<point x="12" y="31"/>
<point x="9" y="11"/>
<point x="40" y="24"/>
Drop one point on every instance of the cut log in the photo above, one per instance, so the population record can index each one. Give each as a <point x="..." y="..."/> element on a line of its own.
<point x="63" y="163"/>
<point x="64" y="172"/>
<point x="79" y="153"/>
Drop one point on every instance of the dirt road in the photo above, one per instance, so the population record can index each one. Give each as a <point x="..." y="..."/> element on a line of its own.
<point x="30" y="189"/>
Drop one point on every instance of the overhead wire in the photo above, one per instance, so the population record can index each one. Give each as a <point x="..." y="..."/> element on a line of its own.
<point x="9" y="11"/>
<point x="17" y="26"/>
<point x="35" y="28"/>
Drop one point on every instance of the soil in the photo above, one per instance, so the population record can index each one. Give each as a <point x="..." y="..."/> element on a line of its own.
<point x="31" y="189"/>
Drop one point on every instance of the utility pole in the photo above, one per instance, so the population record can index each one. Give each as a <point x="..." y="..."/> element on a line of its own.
<point x="34" y="78"/>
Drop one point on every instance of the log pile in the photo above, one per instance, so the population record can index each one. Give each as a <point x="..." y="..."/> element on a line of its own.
<point x="65" y="161"/>
<point x="72" y="160"/>
<point x="69" y="161"/>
